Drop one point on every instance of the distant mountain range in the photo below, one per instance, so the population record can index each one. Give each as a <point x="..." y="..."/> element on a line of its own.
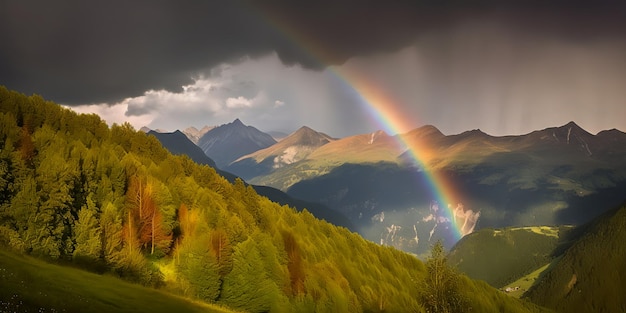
<point x="194" y="134"/>
<point x="547" y="177"/>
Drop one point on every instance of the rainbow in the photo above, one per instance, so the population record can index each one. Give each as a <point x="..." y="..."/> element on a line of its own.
<point x="383" y="108"/>
<point x="384" y="111"/>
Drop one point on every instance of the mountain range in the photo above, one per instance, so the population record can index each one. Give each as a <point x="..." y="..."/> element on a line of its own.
<point x="546" y="177"/>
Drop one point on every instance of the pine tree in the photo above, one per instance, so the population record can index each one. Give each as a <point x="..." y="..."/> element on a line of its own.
<point x="441" y="293"/>
<point x="247" y="287"/>
<point x="87" y="234"/>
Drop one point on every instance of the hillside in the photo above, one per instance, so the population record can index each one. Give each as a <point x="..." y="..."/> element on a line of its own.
<point x="31" y="285"/>
<point x="113" y="200"/>
<point x="501" y="256"/>
<point x="590" y="276"/>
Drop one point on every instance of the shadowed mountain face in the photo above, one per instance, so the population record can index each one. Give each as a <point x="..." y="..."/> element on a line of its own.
<point x="178" y="143"/>
<point x="547" y="177"/>
<point x="228" y="142"/>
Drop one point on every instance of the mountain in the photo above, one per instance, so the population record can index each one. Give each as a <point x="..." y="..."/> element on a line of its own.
<point x="194" y="134"/>
<point x="178" y="144"/>
<point x="589" y="276"/>
<point x="293" y="148"/>
<point x="226" y="143"/>
<point x="559" y="175"/>
<point x="114" y="201"/>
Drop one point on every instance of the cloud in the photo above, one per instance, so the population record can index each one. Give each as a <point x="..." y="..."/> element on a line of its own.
<point x="81" y="53"/>
<point x="239" y="102"/>
<point x="278" y="103"/>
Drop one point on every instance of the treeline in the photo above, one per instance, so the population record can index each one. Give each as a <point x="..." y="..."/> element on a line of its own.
<point x="111" y="199"/>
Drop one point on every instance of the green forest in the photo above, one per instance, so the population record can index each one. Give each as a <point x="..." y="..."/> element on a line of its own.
<point x="112" y="200"/>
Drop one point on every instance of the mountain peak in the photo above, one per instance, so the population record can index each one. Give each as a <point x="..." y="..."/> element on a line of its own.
<point x="304" y="129"/>
<point x="228" y="142"/>
<point x="308" y="137"/>
<point x="573" y="128"/>
<point x="237" y="122"/>
<point x="572" y="125"/>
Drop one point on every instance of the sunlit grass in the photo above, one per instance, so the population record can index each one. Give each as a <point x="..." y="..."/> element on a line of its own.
<point x="525" y="282"/>
<point x="31" y="285"/>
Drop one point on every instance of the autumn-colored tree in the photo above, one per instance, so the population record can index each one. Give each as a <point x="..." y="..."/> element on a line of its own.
<point x="221" y="248"/>
<point x="145" y="220"/>
<point x="26" y="146"/>
<point x="294" y="265"/>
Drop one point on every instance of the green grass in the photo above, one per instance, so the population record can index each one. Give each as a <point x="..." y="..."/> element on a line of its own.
<point x="31" y="285"/>
<point x="525" y="282"/>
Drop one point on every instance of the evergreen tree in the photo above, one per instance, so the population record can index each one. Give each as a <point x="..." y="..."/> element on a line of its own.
<point x="247" y="286"/>
<point x="200" y="271"/>
<point x="441" y="293"/>
<point x="88" y="235"/>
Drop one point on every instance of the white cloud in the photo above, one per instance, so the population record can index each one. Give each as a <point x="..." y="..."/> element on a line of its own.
<point x="278" y="103"/>
<point x="239" y="102"/>
<point x="115" y="114"/>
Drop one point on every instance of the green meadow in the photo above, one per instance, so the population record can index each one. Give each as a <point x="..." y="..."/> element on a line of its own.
<point x="32" y="285"/>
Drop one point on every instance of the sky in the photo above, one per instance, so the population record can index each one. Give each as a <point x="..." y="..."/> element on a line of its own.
<point x="505" y="67"/>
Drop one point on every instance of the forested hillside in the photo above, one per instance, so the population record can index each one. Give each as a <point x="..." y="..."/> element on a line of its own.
<point x="591" y="274"/>
<point x="111" y="199"/>
<point x="501" y="256"/>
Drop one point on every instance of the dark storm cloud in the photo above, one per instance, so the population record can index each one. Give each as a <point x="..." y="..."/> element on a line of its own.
<point x="90" y="52"/>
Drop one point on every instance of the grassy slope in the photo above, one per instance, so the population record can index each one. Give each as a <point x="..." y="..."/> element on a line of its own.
<point x="526" y="282"/>
<point x="31" y="285"/>
<point x="501" y="256"/>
